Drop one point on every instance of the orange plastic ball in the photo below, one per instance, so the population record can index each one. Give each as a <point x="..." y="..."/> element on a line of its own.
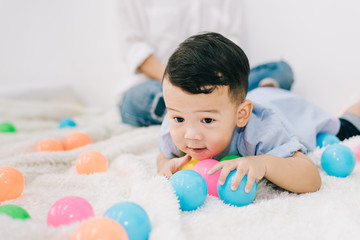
<point x="90" y="162"/>
<point x="100" y="228"/>
<point x="76" y="139"/>
<point x="49" y="145"/>
<point x="12" y="183"/>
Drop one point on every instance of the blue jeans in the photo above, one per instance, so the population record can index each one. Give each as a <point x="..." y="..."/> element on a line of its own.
<point x="143" y="104"/>
<point x="279" y="71"/>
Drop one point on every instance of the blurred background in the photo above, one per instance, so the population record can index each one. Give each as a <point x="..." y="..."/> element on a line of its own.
<point x="71" y="50"/>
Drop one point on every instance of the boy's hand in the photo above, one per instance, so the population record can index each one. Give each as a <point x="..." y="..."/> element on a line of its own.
<point x="254" y="167"/>
<point x="167" y="167"/>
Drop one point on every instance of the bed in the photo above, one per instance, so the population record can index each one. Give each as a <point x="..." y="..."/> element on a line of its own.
<point x="333" y="212"/>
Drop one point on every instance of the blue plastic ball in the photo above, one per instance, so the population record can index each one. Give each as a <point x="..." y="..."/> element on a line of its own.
<point x="67" y="122"/>
<point x="238" y="197"/>
<point x="132" y="217"/>
<point x="190" y="188"/>
<point x="324" y="139"/>
<point x="338" y="160"/>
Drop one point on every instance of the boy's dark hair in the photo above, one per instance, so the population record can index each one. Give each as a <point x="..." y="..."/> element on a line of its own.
<point x="203" y="62"/>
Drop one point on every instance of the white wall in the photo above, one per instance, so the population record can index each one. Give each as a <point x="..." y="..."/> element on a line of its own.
<point x="60" y="43"/>
<point x="47" y="44"/>
<point x="320" y="39"/>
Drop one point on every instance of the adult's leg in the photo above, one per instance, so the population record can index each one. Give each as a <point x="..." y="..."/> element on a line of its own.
<point x="276" y="74"/>
<point x="143" y="104"/>
<point x="354" y="109"/>
<point x="350" y="122"/>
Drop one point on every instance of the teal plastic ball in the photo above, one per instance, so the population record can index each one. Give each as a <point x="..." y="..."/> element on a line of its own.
<point x="238" y="197"/>
<point x="324" y="139"/>
<point x="338" y="160"/>
<point x="190" y="188"/>
<point x="67" y="122"/>
<point x="132" y="217"/>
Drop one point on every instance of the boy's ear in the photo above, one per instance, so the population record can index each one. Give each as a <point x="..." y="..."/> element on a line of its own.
<point x="243" y="113"/>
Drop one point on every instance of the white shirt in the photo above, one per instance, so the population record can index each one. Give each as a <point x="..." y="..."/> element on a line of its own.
<point x="157" y="27"/>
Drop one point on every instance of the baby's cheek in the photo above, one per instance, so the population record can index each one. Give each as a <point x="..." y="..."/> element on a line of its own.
<point x="176" y="137"/>
<point x="215" y="149"/>
<point x="180" y="144"/>
<point x="219" y="144"/>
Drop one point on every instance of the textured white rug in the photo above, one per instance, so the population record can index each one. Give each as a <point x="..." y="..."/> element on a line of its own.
<point x="331" y="213"/>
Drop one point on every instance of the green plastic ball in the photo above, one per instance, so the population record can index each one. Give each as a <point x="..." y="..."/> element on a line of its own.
<point x="6" y="127"/>
<point x="14" y="211"/>
<point x="229" y="157"/>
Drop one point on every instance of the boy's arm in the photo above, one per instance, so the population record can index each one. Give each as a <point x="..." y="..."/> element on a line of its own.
<point x="167" y="167"/>
<point x="296" y="173"/>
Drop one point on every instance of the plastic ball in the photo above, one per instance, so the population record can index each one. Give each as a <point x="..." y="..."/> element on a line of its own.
<point x="132" y="217"/>
<point x="203" y="168"/>
<point x="190" y="188"/>
<point x="100" y="228"/>
<point x="190" y="164"/>
<point x="14" y="211"/>
<point x="324" y="139"/>
<point x="69" y="209"/>
<point x="230" y="157"/>
<point x="358" y="153"/>
<point x="67" y="122"/>
<point x="7" y="127"/>
<point x="91" y="162"/>
<point x="338" y="160"/>
<point x="238" y="197"/>
<point x="12" y="183"/>
<point x="49" y="145"/>
<point x="76" y="140"/>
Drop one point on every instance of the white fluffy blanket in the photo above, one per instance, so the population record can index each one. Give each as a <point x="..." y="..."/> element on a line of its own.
<point x="331" y="213"/>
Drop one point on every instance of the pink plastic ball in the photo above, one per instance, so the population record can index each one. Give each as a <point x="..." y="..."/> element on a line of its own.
<point x="203" y="168"/>
<point x="69" y="209"/>
<point x="358" y="154"/>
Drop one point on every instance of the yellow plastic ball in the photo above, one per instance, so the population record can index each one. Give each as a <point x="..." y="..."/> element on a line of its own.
<point x="190" y="164"/>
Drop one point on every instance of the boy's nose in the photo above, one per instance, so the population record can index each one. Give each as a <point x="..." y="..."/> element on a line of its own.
<point x="192" y="133"/>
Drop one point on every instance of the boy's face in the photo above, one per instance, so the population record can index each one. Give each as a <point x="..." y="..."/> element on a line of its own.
<point x="201" y="125"/>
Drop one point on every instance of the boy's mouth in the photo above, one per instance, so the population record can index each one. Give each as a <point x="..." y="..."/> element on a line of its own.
<point x="197" y="150"/>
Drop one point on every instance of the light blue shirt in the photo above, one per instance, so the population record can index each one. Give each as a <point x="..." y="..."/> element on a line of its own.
<point x="281" y="124"/>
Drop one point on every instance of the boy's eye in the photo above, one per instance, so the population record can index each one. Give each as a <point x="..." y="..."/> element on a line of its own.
<point x="207" y="120"/>
<point x="179" y="119"/>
